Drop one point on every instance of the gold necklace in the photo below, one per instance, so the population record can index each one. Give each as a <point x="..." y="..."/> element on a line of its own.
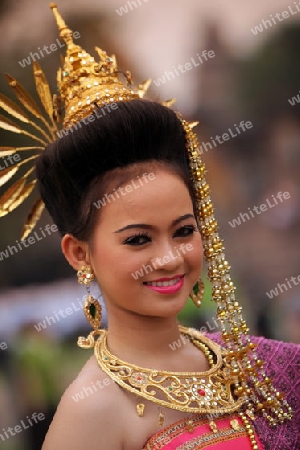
<point x="196" y="392"/>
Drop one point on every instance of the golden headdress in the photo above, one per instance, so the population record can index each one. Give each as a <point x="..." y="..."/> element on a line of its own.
<point x="83" y="85"/>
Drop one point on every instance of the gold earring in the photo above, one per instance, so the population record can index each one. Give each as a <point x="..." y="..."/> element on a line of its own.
<point x="92" y="308"/>
<point x="197" y="293"/>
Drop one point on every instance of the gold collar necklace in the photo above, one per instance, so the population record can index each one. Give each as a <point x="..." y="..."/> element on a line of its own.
<point x="195" y="392"/>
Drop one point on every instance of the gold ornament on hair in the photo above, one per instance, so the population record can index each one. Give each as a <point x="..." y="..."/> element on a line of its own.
<point x="263" y="398"/>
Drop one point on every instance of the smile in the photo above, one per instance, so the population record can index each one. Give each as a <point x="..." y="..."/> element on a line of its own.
<point x="166" y="286"/>
<point x="163" y="283"/>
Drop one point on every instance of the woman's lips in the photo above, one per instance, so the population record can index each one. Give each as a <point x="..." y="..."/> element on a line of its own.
<point x="166" y="285"/>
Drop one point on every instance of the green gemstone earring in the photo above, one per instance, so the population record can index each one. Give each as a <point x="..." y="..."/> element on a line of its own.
<point x="197" y="293"/>
<point x="92" y="308"/>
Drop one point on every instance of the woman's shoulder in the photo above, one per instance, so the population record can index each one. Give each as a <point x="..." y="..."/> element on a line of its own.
<point x="282" y="365"/>
<point x="278" y="355"/>
<point x="83" y="416"/>
<point x="90" y="384"/>
<point x="282" y="359"/>
<point x="274" y="353"/>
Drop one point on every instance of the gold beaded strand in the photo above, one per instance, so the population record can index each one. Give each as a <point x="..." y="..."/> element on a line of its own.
<point x="262" y="397"/>
<point x="250" y="431"/>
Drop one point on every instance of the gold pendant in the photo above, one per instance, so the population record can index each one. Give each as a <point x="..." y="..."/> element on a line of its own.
<point x="140" y="408"/>
<point x="190" y="426"/>
<point x="213" y="426"/>
<point x="235" y="424"/>
<point x="161" y="419"/>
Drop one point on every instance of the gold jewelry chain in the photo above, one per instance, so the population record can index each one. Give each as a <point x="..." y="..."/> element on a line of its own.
<point x="196" y="392"/>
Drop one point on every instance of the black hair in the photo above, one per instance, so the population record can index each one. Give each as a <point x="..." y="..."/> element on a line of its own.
<point x="71" y="170"/>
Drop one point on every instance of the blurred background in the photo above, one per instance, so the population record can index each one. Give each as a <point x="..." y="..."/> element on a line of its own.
<point x="254" y="76"/>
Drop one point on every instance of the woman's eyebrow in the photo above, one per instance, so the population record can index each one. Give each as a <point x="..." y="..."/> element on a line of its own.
<point x="148" y="227"/>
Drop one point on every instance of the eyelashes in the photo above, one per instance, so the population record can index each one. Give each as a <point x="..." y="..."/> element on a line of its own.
<point x="186" y="230"/>
<point x="143" y="237"/>
<point x="139" y="238"/>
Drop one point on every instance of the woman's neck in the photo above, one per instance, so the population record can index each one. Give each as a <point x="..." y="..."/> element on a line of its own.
<point x="153" y="342"/>
<point x="142" y="340"/>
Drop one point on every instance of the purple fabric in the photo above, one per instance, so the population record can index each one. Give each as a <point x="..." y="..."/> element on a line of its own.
<point x="283" y="366"/>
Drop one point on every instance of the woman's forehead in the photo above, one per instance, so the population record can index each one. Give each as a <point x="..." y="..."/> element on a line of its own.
<point x="153" y="197"/>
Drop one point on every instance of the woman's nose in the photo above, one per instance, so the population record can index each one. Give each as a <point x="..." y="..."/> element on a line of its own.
<point x="168" y="257"/>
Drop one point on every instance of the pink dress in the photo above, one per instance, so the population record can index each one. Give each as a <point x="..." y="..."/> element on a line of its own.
<point x="229" y="434"/>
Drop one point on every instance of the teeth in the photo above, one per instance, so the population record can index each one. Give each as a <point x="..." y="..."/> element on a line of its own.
<point x="163" y="283"/>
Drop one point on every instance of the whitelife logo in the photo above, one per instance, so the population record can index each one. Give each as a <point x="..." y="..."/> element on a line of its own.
<point x="292" y="101"/>
<point x="183" y="68"/>
<point x="60" y="314"/>
<point x="123" y="191"/>
<point x="3" y="346"/>
<point x="11" y="250"/>
<point x="161" y="261"/>
<point x="279" y="17"/>
<point x="185" y="340"/>
<point x="274" y="292"/>
<point x="242" y="127"/>
<point x="10" y="160"/>
<point x="90" y="390"/>
<point x="96" y="114"/>
<point x="132" y="5"/>
<point x="259" y="209"/>
<point x="53" y="47"/>
<point x="24" y="425"/>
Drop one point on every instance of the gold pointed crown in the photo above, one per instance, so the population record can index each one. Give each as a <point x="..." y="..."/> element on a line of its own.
<point x="84" y="83"/>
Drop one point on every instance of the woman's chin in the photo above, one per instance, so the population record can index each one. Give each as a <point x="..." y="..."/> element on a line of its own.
<point x="167" y="310"/>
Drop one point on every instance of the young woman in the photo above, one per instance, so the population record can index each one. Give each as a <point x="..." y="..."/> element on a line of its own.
<point x="145" y="250"/>
<point x="127" y="191"/>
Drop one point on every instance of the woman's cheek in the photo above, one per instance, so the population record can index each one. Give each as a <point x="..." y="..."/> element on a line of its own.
<point x="196" y="254"/>
<point x="132" y="263"/>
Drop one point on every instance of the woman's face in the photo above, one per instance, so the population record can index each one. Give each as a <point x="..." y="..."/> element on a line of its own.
<point x="146" y="250"/>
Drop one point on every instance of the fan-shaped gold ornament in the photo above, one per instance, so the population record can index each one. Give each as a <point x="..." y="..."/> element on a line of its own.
<point x="83" y="82"/>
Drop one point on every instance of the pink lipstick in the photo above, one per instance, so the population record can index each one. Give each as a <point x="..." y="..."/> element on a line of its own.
<point x="166" y="285"/>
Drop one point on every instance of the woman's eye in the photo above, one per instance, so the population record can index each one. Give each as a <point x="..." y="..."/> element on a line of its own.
<point x="138" y="239"/>
<point x="187" y="230"/>
<point x="144" y="237"/>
